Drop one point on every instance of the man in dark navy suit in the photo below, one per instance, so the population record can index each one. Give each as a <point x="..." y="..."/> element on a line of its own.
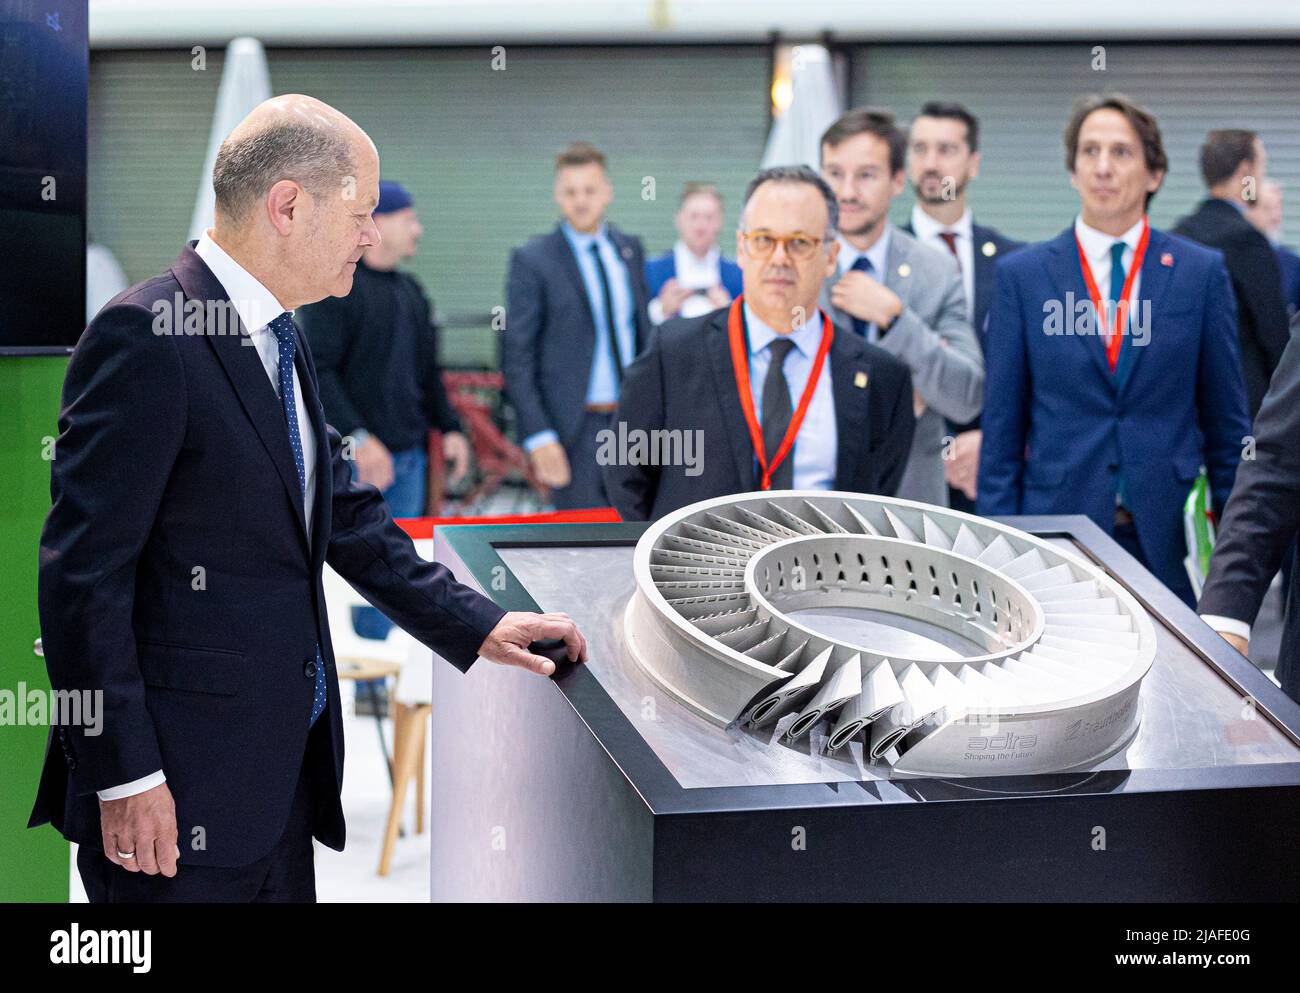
<point x="1113" y="421"/>
<point x="943" y="157"/>
<point x="766" y="371"/>
<point x="197" y="493"/>
<point x="576" y="317"/>
<point x="1234" y="165"/>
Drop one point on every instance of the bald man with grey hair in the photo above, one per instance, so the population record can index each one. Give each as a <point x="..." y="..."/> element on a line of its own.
<point x="197" y="495"/>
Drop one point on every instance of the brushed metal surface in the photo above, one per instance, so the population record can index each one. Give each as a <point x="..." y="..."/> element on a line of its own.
<point x="1190" y="717"/>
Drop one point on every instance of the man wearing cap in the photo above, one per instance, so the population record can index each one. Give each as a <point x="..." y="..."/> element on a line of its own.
<point x="381" y="385"/>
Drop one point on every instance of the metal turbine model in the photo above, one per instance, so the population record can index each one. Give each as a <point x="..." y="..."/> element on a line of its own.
<point x="1054" y="685"/>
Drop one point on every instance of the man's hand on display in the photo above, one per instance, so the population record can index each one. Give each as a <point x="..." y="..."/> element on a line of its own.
<point x="962" y="469"/>
<point x="1237" y="642"/>
<point x="672" y="296"/>
<point x="139" y="832"/>
<point x="508" y="643"/>
<point x="551" y="465"/>
<point x="455" y="449"/>
<point x="865" y="298"/>
<point x="375" y="463"/>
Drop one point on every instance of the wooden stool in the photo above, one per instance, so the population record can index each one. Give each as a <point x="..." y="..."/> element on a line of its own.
<point x="410" y="731"/>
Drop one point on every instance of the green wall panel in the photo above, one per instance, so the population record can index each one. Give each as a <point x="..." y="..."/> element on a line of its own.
<point x="35" y="861"/>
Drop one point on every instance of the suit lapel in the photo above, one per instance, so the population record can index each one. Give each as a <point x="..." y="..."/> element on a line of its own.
<point x="1067" y="280"/>
<point x="733" y="415"/>
<point x="898" y="270"/>
<point x="983" y="273"/>
<point x="569" y="263"/>
<point x="852" y="430"/>
<point x="1156" y="277"/>
<point x="243" y="365"/>
<point x="627" y="253"/>
<point x="322" y="509"/>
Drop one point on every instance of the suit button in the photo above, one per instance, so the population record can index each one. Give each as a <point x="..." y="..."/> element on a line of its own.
<point x="309" y="670"/>
<point x="72" y="762"/>
<point x="63" y="734"/>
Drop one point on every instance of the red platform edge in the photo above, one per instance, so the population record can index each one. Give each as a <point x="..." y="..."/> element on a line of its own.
<point x="422" y="527"/>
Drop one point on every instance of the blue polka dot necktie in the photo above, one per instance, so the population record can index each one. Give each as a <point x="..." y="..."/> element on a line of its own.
<point x="286" y="335"/>
<point x="863" y="264"/>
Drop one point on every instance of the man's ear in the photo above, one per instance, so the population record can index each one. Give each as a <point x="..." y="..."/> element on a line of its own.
<point x="832" y="254"/>
<point x="896" y="183"/>
<point x="282" y="204"/>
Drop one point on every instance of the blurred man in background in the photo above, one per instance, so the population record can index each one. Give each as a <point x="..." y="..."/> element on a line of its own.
<point x="1112" y="411"/>
<point x="376" y="353"/>
<point x="1266" y="214"/>
<point x="575" y="319"/>
<point x="694" y="278"/>
<point x="764" y="393"/>
<point x="1233" y="165"/>
<point x="897" y="293"/>
<point x="943" y="157"/>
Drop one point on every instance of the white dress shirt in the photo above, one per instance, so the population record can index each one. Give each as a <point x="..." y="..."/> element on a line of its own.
<point x="878" y="255"/>
<point x="927" y="231"/>
<point x="256" y="307"/>
<point x="816" y="445"/>
<point x="1096" y="245"/>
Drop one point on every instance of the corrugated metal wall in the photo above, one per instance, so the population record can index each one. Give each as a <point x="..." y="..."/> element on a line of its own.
<point x="1022" y="96"/>
<point x="474" y="145"/>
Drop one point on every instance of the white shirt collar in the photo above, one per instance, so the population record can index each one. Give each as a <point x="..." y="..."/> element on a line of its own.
<point x="806" y="337"/>
<point x="253" y="302"/>
<point x="927" y="228"/>
<point x="1096" y="244"/>
<point x="877" y="253"/>
<point x="693" y="271"/>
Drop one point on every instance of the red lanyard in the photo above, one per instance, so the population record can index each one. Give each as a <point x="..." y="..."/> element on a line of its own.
<point x="1114" y="341"/>
<point x="740" y="362"/>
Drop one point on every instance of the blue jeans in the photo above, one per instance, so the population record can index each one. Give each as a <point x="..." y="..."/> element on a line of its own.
<point x="405" y="498"/>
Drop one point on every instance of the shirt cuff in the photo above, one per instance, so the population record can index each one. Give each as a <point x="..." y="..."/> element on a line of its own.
<point x="132" y="788"/>
<point x="1227" y="625"/>
<point x="536" y="441"/>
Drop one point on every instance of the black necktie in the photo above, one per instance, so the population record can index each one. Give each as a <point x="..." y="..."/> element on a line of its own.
<point x="608" y="301"/>
<point x="863" y="264"/>
<point x="777" y="412"/>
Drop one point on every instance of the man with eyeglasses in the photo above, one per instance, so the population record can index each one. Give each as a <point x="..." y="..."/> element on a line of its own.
<point x="900" y="294"/>
<point x="765" y="393"/>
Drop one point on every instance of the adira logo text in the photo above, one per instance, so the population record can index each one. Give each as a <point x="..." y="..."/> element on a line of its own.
<point x="90" y="947"/>
<point x="1002" y="742"/>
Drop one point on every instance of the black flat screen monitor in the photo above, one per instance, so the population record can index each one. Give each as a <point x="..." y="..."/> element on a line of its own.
<point x="43" y="79"/>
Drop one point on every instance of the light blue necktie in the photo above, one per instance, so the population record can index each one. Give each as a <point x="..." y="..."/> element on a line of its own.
<point x="286" y="335"/>
<point x="863" y="264"/>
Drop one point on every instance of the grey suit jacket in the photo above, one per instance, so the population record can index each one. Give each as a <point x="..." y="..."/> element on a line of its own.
<point x="934" y="339"/>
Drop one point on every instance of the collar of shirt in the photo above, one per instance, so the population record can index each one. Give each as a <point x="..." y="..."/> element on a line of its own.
<point x="253" y="302"/>
<point x="877" y="253"/>
<point x="694" y="272"/>
<point x="581" y="240"/>
<point x="806" y="337"/>
<point x="1096" y="244"/>
<point x="928" y="229"/>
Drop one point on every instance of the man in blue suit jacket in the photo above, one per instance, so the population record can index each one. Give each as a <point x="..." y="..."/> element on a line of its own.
<point x="693" y="279"/>
<point x="197" y="493"/>
<point x="1067" y="432"/>
<point x="562" y="355"/>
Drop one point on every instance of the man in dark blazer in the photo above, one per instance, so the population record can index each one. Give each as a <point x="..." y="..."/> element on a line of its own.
<point x="943" y="157"/>
<point x="197" y="493"/>
<point x="1259" y="525"/>
<point x="1234" y="164"/>
<point x="1114" y="427"/>
<point x="1266" y="214"/>
<point x="576" y="317"/>
<point x="683" y="397"/>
